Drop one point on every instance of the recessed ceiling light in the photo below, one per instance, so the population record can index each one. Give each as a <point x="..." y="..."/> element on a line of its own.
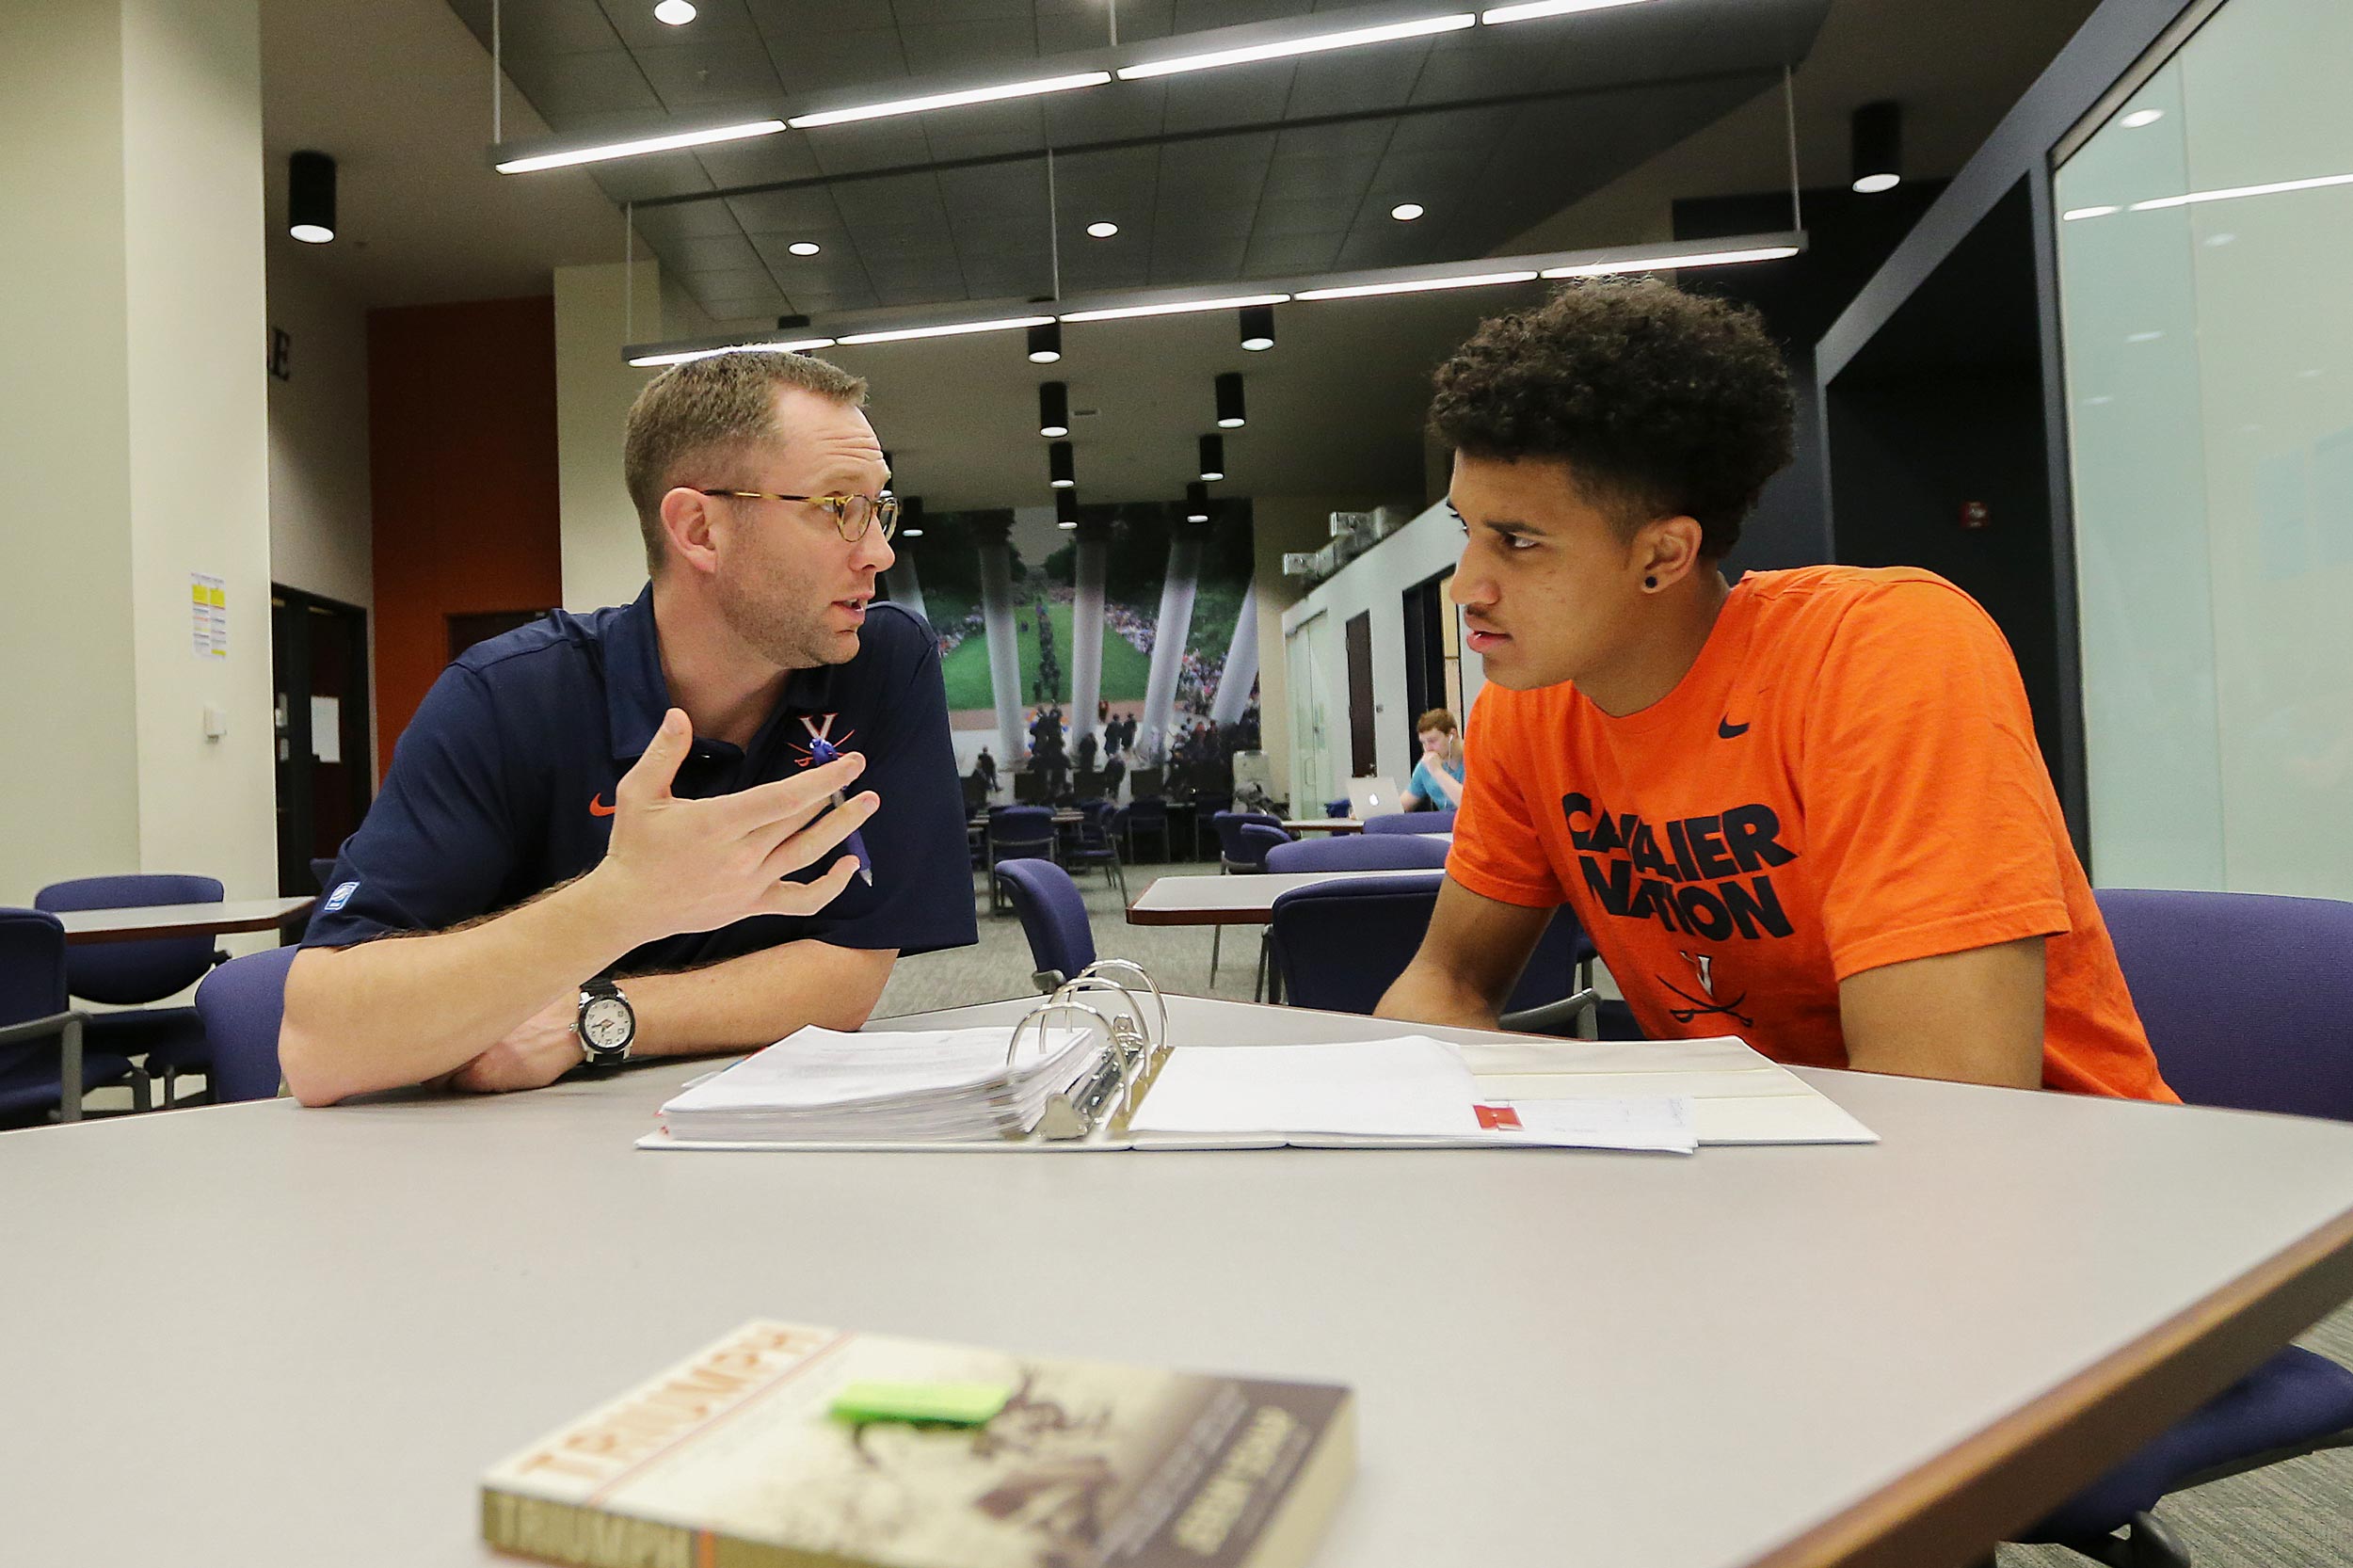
<point x="804" y="247"/>
<point x="1405" y="211"/>
<point x="2139" y="118"/>
<point x="1871" y="184"/>
<point x="677" y="14"/>
<point x="1102" y="231"/>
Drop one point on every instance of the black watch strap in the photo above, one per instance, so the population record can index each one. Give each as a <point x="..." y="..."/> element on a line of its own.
<point x="604" y="991"/>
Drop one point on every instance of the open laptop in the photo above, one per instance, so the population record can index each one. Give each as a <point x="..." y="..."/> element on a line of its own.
<point x="1374" y="797"/>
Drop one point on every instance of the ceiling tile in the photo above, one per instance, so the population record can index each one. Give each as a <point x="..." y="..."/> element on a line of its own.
<point x="956" y="48"/>
<point x="724" y="282"/>
<point x="898" y="201"/>
<point x="690" y="220"/>
<point x="824" y="58"/>
<point x="758" y="160"/>
<point x="913" y="13"/>
<point x="877" y="144"/>
<point x="788" y="213"/>
<point x="1318" y="179"/>
<point x="562" y="85"/>
<point x="1304" y="218"/>
<point x="1239" y="95"/>
<point x="626" y="180"/>
<point x="1198" y="259"/>
<point x="1356" y="79"/>
<point x="727" y="21"/>
<point x="539" y="26"/>
<point x="714" y="252"/>
<point x="1108" y="113"/>
<point x="1277" y="255"/>
<point x="703" y="75"/>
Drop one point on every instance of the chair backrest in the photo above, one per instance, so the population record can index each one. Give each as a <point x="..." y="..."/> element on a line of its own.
<point x="322" y="871"/>
<point x="1259" y="841"/>
<point x="32" y="977"/>
<point x="242" y="1004"/>
<point x="1145" y="812"/>
<point x="1410" y="821"/>
<point x="975" y="792"/>
<point x="130" y="973"/>
<point x="1229" y="840"/>
<point x="1343" y="944"/>
<point x="1095" y="823"/>
<point x="1053" y="915"/>
<point x="1028" y="787"/>
<point x="1337" y="808"/>
<point x="1390" y="852"/>
<point x="1017" y="829"/>
<point x="2244" y="996"/>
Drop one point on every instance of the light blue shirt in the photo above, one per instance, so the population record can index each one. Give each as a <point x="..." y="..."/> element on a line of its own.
<point x="1425" y="786"/>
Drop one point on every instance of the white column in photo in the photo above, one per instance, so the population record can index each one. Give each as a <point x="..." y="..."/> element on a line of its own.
<point x="1170" y="630"/>
<point x="993" y="536"/>
<point x="1086" y="629"/>
<point x="1241" y="663"/>
<point x="905" y="586"/>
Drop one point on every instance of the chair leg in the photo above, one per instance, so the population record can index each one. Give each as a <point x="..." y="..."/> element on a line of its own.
<point x="1217" y="934"/>
<point x="140" y="1100"/>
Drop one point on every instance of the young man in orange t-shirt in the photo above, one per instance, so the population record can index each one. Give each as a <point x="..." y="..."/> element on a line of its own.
<point x="1808" y="809"/>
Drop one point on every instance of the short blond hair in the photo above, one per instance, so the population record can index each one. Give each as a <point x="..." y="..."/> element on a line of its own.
<point x="710" y="412"/>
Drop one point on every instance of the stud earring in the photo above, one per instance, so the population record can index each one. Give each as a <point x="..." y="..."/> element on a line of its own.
<point x="1650" y="581"/>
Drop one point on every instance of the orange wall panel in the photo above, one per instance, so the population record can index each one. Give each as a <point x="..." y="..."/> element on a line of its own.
<point x="462" y="465"/>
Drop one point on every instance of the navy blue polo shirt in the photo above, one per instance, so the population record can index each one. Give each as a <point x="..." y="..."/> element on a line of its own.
<point x="503" y="786"/>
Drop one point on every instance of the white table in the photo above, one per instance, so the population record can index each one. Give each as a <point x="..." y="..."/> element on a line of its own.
<point x="1245" y="898"/>
<point x="1752" y="1357"/>
<point x="147" y="921"/>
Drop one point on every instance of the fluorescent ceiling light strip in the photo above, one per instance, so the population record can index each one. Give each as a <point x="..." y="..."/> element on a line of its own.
<point x="1416" y="285"/>
<point x="644" y="144"/>
<point x="2235" y="192"/>
<point x="679" y="355"/>
<point x="1422" y="27"/>
<point x="1667" y="263"/>
<point x="1120" y="313"/>
<point x="2074" y="214"/>
<point x="900" y="334"/>
<point x="951" y="99"/>
<point x="1502" y="14"/>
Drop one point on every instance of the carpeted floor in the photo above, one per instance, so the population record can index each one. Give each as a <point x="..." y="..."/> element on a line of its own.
<point x="2297" y="1514"/>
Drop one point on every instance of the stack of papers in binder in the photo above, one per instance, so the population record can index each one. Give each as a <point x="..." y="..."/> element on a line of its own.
<point x="820" y="1085"/>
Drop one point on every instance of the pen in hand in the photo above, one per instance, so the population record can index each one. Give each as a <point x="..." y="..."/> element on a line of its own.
<point x="822" y="751"/>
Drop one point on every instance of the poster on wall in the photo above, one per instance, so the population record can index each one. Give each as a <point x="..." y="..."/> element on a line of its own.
<point x="1083" y="655"/>
<point x="209" y="601"/>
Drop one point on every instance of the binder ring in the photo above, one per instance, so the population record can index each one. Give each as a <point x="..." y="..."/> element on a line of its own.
<point x="1092" y="971"/>
<point x="1038" y="1016"/>
<point x="1141" y="1031"/>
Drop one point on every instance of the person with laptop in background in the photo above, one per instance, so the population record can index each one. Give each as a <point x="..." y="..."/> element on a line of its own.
<point x="1437" y="781"/>
<point x="1807" y="808"/>
<point x="628" y="833"/>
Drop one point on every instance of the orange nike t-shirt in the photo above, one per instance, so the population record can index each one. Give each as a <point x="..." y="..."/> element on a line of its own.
<point x="1847" y="778"/>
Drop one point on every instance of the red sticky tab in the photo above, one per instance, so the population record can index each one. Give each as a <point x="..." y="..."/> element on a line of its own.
<point x="1496" y="1118"/>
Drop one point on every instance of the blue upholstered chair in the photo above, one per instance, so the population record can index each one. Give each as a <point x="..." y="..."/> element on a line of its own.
<point x="1145" y="816"/>
<point x="1240" y="852"/>
<point x="242" y="1004"/>
<point x="1093" y="844"/>
<point x="1017" y="833"/>
<point x="42" y="1041"/>
<point x="128" y="975"/>
<point x="1340" y="945"/>
<point x="1410" y="821"/>
<point x="1053" y="917"/>
<point x="1389" y="852"/>
<point x="2245" y="996"/>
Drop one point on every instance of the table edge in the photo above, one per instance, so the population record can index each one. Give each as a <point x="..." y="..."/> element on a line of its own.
<point x="1952" y="1509"/>
<point x="192" y="928"/>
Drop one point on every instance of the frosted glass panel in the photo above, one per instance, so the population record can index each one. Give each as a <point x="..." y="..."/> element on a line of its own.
<point x="2209" y="348"/>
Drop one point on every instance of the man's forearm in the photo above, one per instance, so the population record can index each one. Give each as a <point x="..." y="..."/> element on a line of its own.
<point x="1428" y="993"/>
<point x="757" y="999"/>
<point x="395" y="1012"/>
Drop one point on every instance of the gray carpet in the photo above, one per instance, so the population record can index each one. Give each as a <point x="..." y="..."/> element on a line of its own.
<point x="2297" y="1514"/>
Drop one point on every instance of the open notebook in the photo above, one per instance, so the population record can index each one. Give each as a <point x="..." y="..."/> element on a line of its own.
<point x="1075" y="1076"/>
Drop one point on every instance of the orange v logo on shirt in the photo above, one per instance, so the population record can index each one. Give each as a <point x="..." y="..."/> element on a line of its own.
<point x="597" y="807"/>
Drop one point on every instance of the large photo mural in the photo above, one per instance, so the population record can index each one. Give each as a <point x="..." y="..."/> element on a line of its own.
<point x="1082" y="655"/>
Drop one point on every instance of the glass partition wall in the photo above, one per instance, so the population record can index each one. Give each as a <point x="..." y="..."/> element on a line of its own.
<point x="2205" y="248"/>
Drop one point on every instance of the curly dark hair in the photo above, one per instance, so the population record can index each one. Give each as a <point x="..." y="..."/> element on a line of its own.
<point x="1661" y="403"/>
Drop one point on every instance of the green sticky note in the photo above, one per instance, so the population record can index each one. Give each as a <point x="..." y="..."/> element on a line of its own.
<point x="959" y="1404"/>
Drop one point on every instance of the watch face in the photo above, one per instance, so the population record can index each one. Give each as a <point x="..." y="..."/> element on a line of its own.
<point x="606" y="1023"/>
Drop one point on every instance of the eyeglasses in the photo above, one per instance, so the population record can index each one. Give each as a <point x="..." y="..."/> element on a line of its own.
<point x="851" y="514"/>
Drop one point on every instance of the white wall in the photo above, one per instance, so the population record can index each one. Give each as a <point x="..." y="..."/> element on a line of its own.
<point x="604" y="554"/>
<point x="199" y="448"/>
<point x="1375" y="583"/>
<point x="319" y="535"/>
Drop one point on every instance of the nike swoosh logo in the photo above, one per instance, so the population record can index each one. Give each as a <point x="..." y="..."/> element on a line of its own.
<point x="597" y="807"/>
<point x="1727" y="730"/>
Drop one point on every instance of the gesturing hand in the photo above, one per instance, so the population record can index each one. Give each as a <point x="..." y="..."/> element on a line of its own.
<point x="677" y="865"/>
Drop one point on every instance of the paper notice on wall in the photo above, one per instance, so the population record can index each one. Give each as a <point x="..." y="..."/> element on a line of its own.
<point x="326" y="728"/>
<point x="209" y="598"/>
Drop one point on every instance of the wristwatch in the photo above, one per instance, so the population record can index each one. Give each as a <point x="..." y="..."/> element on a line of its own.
<point x="606" y="1024"/>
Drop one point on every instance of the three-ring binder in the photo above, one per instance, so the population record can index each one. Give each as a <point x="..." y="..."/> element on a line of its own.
<point x="1134" y="1049"/>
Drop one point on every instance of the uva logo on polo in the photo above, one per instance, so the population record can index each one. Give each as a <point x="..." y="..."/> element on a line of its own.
<point x="341" y="896"/>
<point x="1716" y="883"/>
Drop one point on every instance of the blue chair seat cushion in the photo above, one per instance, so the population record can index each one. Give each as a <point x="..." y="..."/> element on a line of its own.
<point x="166" y="1036"/>
<point x="2294" y="1399"/>
<point x="31" y="1087"/>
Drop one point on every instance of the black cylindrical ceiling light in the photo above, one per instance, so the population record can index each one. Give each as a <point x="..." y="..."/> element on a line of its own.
<point x="910" y="517"/>
<point x="310" y="197"/>
<point x="1878" y="135"/>
<point x="1060" y="471"/>
<point x="1257" y="326"/>
<point x="1065" y="508"/>
<point x="1046" y="344"/>
<point x="1054" y="409"/>
<point x="1196" y="502"/>
<point x="1229" y="414"/>
<point x="1213" y="457"/>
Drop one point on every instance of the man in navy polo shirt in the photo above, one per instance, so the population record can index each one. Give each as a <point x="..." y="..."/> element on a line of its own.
<point x="593" y="832"/>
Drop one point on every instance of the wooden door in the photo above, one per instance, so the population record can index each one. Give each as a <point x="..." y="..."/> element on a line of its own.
<point x="1360" y="747"/>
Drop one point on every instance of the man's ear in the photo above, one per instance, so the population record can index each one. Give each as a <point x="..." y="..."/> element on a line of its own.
<point x="688" y="520"/>
<point x="1667" y="550"/>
